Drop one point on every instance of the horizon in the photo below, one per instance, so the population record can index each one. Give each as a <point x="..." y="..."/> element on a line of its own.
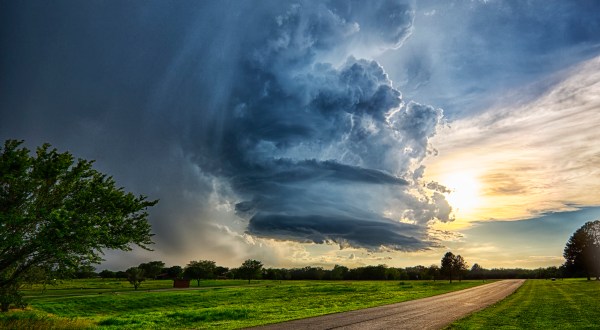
<point x="315" y="134"/>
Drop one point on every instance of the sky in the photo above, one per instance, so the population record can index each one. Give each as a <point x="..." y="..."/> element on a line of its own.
<point x="321" y="133"/>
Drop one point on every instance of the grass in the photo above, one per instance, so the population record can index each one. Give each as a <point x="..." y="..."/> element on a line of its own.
<point x="542" y="304"/>
<point x="100" y="286"/>
<point x="32" y="320"/>
<point x="229" y="305"/>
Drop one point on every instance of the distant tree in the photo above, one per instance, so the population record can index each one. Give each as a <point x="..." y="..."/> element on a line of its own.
<point x="416" y="272"/>
<point x="313" y="273"/>
<point x="174" y="271"/>
<point x="552" y="272"/>
<point x="460" y="266"/>
<point x="476" y="268"/>
<point x="453" y="265"/>
<point x="582" y="252"/>
<point x="339" y="272"/>
<point x="433" y="272"/>
<point x="200" y="270"/>
<point x="152" y="268"/>
<point x="374" y="272"/>
<point x="447" y="267"/>
<point x="135" y="276"/>
<point x="107" y="274"/>
<point x="477" y="272"/>
<point x="85" y="271"/>
<point x="221" y="271"/>
<point x="250" y="269"/>
<point x="392" y="274"/>
<point x="120" y="274"/>
<point x="57" y="213"/>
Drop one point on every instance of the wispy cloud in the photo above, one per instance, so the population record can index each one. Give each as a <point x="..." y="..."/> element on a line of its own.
<point x="530" y="157"/>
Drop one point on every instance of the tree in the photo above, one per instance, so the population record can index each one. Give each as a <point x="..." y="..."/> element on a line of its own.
<point x="433" y="272"/>
<point x="120" y="274"/>
<point x="107" y="274"/>
<point x="477" y="272"/>
<point x="447" y="268"/>
<point x="152" y="268"/>
<point x="250" y="269"/>
<point x="174" y="271"/>
<point x="85" y="271"/>
<point x="460" y="266"/>
<point x="200" y="270"/>
<point x="476" y="268"/>
<point x="221" y="271"/>
<point x="135" y="276"/>
<point x="339" y="272"/>
<point x="582" y="252"/>
<point x="57" y="213"/>
<point x="453" y="265"/>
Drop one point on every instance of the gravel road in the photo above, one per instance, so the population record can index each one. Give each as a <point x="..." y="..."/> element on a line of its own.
<point x="427" y="313"/>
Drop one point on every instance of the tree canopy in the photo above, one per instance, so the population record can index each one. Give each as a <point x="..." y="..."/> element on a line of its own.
<point x="453" y="265"/>
<point x="57" y="213"/>
<point x="250" y="269"/>
<point x="152" y="268"/>
<point x="200" y="270"/>
<point x="582" y="252"/>
<point x="135" y="276"/>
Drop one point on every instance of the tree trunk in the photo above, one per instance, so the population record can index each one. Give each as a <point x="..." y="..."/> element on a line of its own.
<point x="4" y="307"/>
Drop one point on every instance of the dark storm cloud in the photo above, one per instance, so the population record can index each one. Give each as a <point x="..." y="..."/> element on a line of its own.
<point x="303" y="136"/>
<point x="369" y="232"/>
<point x="260" y="104"/>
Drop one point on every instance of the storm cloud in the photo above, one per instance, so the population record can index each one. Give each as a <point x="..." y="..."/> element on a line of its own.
<point x="308" y="145"/>
<point x="268" y="119"/>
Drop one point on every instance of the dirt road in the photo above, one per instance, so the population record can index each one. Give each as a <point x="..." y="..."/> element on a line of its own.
<point x="427" y="313"/>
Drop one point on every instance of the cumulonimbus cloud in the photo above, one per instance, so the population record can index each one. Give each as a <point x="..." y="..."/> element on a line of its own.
<point x="317" y="151"/>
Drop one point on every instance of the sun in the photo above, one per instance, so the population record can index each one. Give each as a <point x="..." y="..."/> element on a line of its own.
<point x="464" y="195"/>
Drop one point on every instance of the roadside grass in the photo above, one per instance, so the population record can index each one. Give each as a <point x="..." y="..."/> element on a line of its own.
<point x="542" y="304"/>
<point x="225" y="307"/>
<point x="34" y="320"/>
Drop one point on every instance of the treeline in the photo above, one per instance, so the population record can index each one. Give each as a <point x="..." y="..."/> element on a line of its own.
<point x="157" y="270"/>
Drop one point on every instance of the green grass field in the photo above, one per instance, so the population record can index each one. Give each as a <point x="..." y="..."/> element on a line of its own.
<point x="221" y="304"/>
<point x="100" y="286"/>
<point x="542" y="304"/>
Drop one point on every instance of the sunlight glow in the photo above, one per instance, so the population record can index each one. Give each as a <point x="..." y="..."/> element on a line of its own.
<point x="465" y="192"/>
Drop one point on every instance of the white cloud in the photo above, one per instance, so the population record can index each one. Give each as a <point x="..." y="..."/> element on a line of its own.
<point x="530" y="157"/>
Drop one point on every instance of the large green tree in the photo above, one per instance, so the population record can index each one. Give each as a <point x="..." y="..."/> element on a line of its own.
<point x="58" y="212"/>
<point x="152" y="269"/>
<point x="582" y="252"/>
<point x="199" y="270"/>
<point x="453" y="265"/>
<point x="447" y="265"/>
<point x="250" y="269"/>
<point x="460" y="266"/>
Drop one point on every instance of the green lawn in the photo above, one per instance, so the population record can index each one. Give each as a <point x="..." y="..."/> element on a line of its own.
<point x="96" y="286"/>
<point x="230" y="305"/>
<point x="542" y="304"/>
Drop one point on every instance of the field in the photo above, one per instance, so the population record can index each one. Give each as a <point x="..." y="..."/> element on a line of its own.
<point x="542" y="304"/>
<point x="110" y="304"/>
